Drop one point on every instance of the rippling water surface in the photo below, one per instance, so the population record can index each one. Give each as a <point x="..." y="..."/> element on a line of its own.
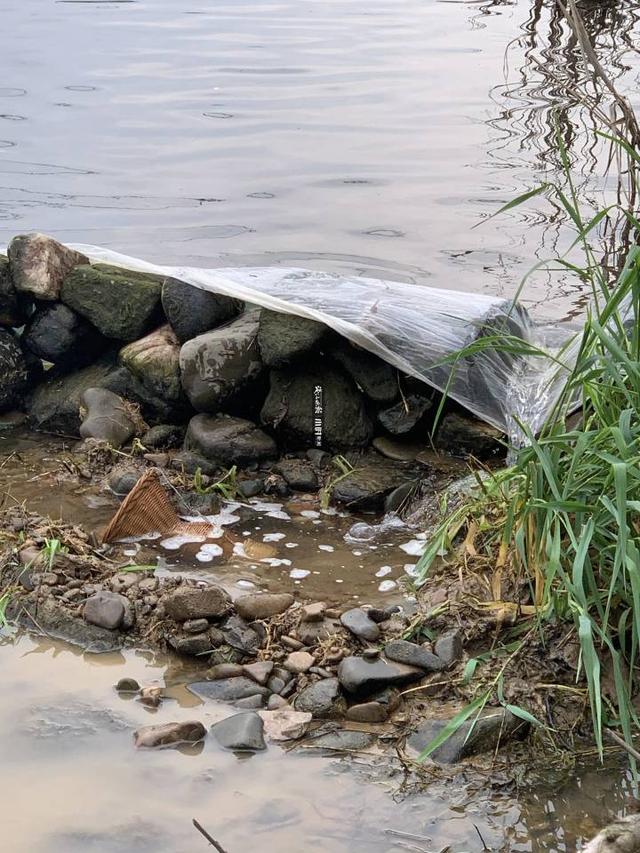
<point x="343" y="134"/>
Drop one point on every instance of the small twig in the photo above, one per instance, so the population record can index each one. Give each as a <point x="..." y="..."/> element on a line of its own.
<point x="484" y="846"/>
<point x="211" y="840"/>
<point x="616" y="737"/>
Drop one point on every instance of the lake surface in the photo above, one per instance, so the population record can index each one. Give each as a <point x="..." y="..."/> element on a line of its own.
<point x="342" y="135"/>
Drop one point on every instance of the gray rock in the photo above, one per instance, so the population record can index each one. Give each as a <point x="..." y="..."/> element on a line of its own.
<point x="399" y="451"/>
<point x="107" y="417"/>
<point x="170" y="734"/>
<point x="368" y="712"/>
<point x="299" y="662"/>
<point x="396" y="500"/>
<point x="12" y="304"/>
<point x="14" y="372"/>
<point x="375" y="377"/>
<point x="259" y="671"/>
<point x="162" y="436"/>
<point x="262" y="605"/>
<point x="321" y="699"/>
<point x="276" y="684"/>
<point x="372" y="479"/>
<point x="155" y="361"/>
<point x="189" y="463"/>
<point x="275" y="702"/>
<point x="317" y="457"/>
<point x="403" y="651"/>
<point x="39" y="264"/>
<point x="228" y="441"/>
<point x="289" y="408"/>
<point x="284" y="338"/>
<point x="449" y="647"/>
<point x="59" y="622"/>
<point x="193" y="644"/>
<point x="122" y="304"/>
<point x="313" y="612"/>
<point x="241" y="636"/>
<point x="195" y="626"/>
<point x="57" y="334"/>
<point x="122" y="479"/>
<point x="342" y="740"/>
<point x="240" y="733"/>
<point x="127" y="685"/>
<point x="192" y="311"/>
<point x="108" y="610"/>
<point x="195" y="602"/>
<point x="225" y="670"/>
<point x="406" y="414"/>
<point x="494" y="728"/>
<point x="228" y="689"/>
<point x="357" y="675"/>
<point x="357" y="621"/>
<point x="219" y="365"/>
<point x="298" y="474"/>
<point x="250" y="703"/>
<point x="467" y="435"/>
<point x="310" y="633"/>
<point x="250" y="488"/>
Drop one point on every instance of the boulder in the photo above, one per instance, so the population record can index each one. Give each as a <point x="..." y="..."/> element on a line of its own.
<point x="170" y="734"/>
<point x="155" y="361"/>
<point x="194" y="602"/>
<point x="376" y="378"/>
<point x="468" y="436"/>
<point x="484" y="734"/>
<point x="357" y="675"/>
<point x="262" y="605"/>
<point x="358" y="622"/>
<point x="220" y="365"/>
<point x="108" y="610"/>
<point x="298" y="474"/>
<point x="406" y="414"/>
<point x="402" y="651"/>
<point x="373" y="478"/>
<point x="290" y="408"/>
<point x="57" y="334"/>
<point x="192" y="311"/>
<point x="284" y="338"/>
<point x="39" y="265"/>
<point x="228" y="441"/>
<point x="14" y="372"/>
<point x="107" y="417"/>
<point x="240" y="733"/>
<point x="321" y="699"/>
<point x="228" y="689"/>
<point x="12" y="306"/>
<point x="122" y="304"/>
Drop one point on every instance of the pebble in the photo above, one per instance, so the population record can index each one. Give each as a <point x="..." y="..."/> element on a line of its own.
<point x="276" y="685"/>
<point x="291" y="642"/>
<point x="170" y="734"/>
<point x="412" y="654"/>
<point x="225" y="670"/>
<point x="127" y="685"/>
<point x="368" y="712"/>
<point x="359" y="623"/>
<point x="241" y="732"/>
<point x="259" y="605"/>
<point x="285" y="724"/>
<point x="321" y="699"/>
<point x="358" y="675"/>
<point x="195" y="626"/>
<point x="276" y="702"/>
<point x="259" y="671"/>
<point x="298" y="662"/>
<point x="449" y="647"/>
<point x="313" y="612"/>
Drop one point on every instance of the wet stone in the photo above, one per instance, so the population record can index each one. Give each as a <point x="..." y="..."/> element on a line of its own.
<point x="241" y="636"/>
<point x="107" y="417"/>
<point x="228" y="689"/>
<point x="225" y="670"/>
<point x="299" y="475"/>
<point x="284" y="723"/>
<point x="357" y="621"/>
<point x="194" y="644"/>
<point x="321" y="699"/>
<point x="240" y="733"/>
<point x="358" y="675"/>
<point x="276" y="702"/>
<point x="39" y="264"/>
<point x="313" y="612"/>
<point x="284" y="338"/>
<point x="107" y="610"/>
<point x="170" y="734"/>
<point x="228" y="441"/>
<point x="412" y="654"/>
<point x="406" y="414"/>
<point x="460" y="434"/>
<point x="127" y="685"/>
<point x="343" y="740"/>
<point x="250" y="488"/>
<point x="276" y="685"/>
<point x="192" y="311"/>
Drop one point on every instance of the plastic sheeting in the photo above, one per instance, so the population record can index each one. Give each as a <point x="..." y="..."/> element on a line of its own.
<point x="415" y="328"/>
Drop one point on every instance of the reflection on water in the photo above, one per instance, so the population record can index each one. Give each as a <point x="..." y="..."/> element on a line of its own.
<point x="338" y="135"/>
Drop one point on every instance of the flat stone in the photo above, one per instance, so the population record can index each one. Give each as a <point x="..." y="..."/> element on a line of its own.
<point x="191" y="311"/>
<point x="225" y="670"/>
<point x="368" y="712"/>
<point x="106" y="610"/>
<point x="343" y="740"/>
<point x="262" y="605"/>
<point x="299" y="662"/>
<point x="284" y="723"/>
<point x="449" y="647"/>
<point x="412" y="654"/>
<point x="240" y="733"/>
<point x="195" y="626"/>
<point x="259" y="671"/>
<point x="357" y="621"/>
<point x="250" y="703"/>
<point x="285" y="338"/>
<point x="170" y="734"/>
<point x="313" y="612"/>
<point x="228" y="689"/>
<point x="357" y="675"/>
<point x="373" y="478"/>
<point x="107" y="417"/>
<point x="193" y="644"/>
<point x="39" y="265"/>
<point x="191" y="602"/>
<point x="299" y="475"/>
<point x="321" y="699"/>
<point x="241" y="636"/>
<point x="228" y="441"/>
<point x="495" y="727"/>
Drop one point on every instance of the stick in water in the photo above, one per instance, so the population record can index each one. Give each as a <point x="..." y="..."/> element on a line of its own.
<point x="211" y="840"/>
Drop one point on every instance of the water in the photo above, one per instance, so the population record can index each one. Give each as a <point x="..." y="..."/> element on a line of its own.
<point x="340" y="135"/>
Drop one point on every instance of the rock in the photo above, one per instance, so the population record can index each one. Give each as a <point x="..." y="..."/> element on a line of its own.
<point x="12" y="304"/>
<point x="14" y="373"/>
<point x="290" y="408"/>
<point x="122" y="479"/>
<point x="343" y="740"/>
<point x="262" y="605"/>
<point x="121" y="304"/>
<point x="357" y="621"/>
<point x="59" y="622"/>
<point x="276" y="685"/>
<point x="195" y="602"/>
<point x="108" y="610"/>
<point x="377" y="379"/>
<point x="399" y="451"/>
<point x="151" y="696"/>
<point x="170" y="734"/>
<point x="298" y="474"/>
<point x="317" y="457"/>
<point x="313" y="612"/>
<point x="321" y="699"/>
<point x="466" y="435"/>
<point x="259" y="671"/>
<point x="240" y="733"/>
<point x="284" y="338"/>
<point x="396" y="500"/>
<point x="228" y="689"/>
<point x="55" y="405"/>
<point x="284" y="723"/>
<point x="299" y="662"/>
<point x="162" y="436"/>
<point x="192" y="311"/>
<point x="449" y="647"/>
<point x="276" y="702"/>
<point x="225" y="670"/>
<point x="225" y="654"/>
<point x="358" y="675"/>
<point x="621" y="836"/>
<point x="368" y="712"/>
<point x="473" y="737"/>
<point x="155" y="361"/>
<point x="222" y="364"/>
<point x="310" y="633"/>
<point x="250" y="488"/>
<point x="251" y="703"/>
<point x="127" y="685"/>
<point x="372" y="479"/>
<point x="412" y="654"/>
<point x="194" y="644"/>
<point x="107" y="417"/>
<point x="228" y="441"/>
<point x="241" y="636"/>
<point x="406" y="414"/>
<point x="39" y="265"/>
<point x="57" y="334"/>
<point x="195" y="626"/>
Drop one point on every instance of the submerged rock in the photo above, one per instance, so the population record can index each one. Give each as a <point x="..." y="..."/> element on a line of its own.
<point x="290" y="408"/>
<point x="358" y="675"/>
<point x="14" y="372"/>
<point x="220" y="365"/>
<point x="240" y="733"/>
<point x="155" y="361"/>
<point x="170" y="734"/>
<point x="57" y="334"/>
<point x="194" y="602"/>
<point x="228" y="441"/>
<point x="107" y="417"/>
<point x="285" y="338"/>
<point x="192" y="311"/>
<point x="39" y="265"/>
<point x="122" y="304"/>
<point x="12" y="307"/>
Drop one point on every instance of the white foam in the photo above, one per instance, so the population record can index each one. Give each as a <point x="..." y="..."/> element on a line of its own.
<point x="415" y="548"/>
<point x="208" y="552"/>
<point x="245" y="584"/>
<point x="172" y="543"/>
<point x="274" y="562"/>
<point x="310" y="513"/>
<point x="383" y="570"/>
<point x="411" y="569"/>
<point x="291" y="544"/>
<point x="299" y="573"/>
<point x="326" y="548"/>
<point x="387" y="586"/>
<point x="273" y="537"/>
